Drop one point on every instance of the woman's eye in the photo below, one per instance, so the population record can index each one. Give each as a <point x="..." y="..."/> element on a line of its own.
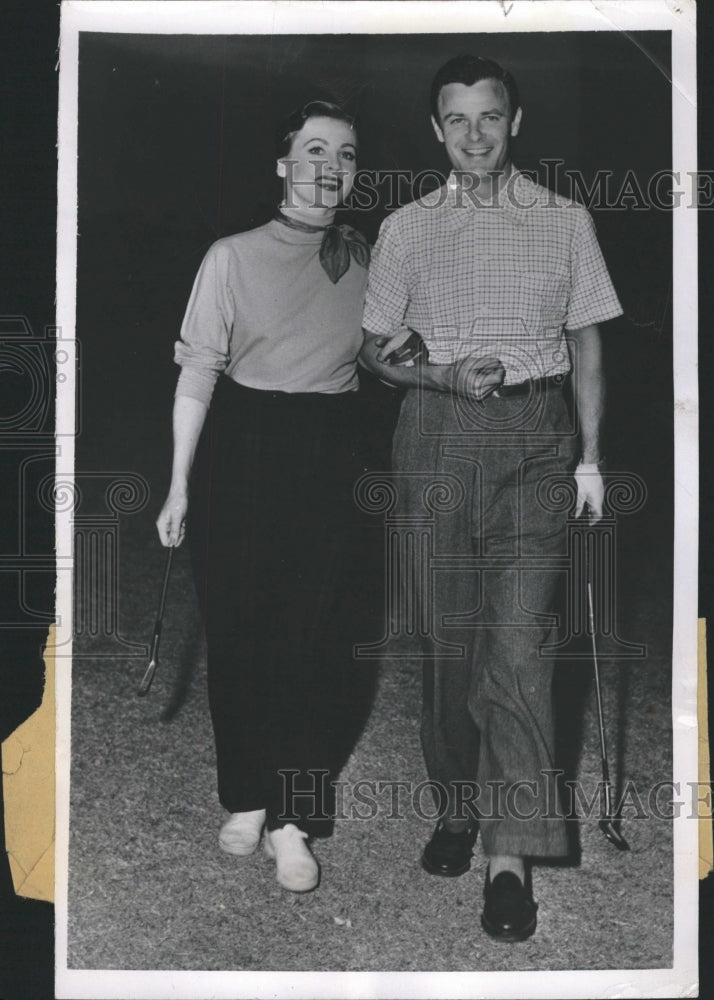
<point x="316" y="150"/>
<point x="347" y="155"/>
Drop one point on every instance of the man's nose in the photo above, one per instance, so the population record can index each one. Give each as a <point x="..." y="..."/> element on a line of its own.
<point x="474" y="129"/>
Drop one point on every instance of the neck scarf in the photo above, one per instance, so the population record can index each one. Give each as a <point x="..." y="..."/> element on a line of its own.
<point x="339" y="245"/>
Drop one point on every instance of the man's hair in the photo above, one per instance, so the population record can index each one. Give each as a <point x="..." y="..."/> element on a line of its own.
<point x="296" y="119"/>
<point x="468" y="70"/>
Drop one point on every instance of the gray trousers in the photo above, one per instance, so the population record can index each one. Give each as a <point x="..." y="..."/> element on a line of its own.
<point x="496" y="568"/>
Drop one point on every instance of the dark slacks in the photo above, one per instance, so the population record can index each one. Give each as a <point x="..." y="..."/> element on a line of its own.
<point x="278" y="522"/>
<point x="497" y="564"/>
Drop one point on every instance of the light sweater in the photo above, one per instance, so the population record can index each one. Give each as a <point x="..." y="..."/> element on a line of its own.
<point x="264" y="311"/>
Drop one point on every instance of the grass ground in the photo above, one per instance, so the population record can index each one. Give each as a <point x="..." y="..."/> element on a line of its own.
<point x="149" y="888"/>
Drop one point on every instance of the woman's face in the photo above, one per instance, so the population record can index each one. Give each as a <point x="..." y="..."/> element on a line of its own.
<point x="319" y="170"/>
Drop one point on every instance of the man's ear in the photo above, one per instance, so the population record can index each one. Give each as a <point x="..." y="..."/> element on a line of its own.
<point x="516" y="123"/>
<point x="280" y="168"/>
<point x="437" y="129"/>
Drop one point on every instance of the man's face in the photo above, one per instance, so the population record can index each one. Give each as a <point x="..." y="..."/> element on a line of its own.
<point x="475" y="126"/>
<point x="319" y="170"/>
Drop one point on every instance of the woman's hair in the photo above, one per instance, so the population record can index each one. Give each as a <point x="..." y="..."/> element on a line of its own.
<point x="295" y="121"/>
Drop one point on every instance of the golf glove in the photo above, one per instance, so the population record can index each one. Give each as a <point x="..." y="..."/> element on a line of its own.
<point x="591" y="490"/>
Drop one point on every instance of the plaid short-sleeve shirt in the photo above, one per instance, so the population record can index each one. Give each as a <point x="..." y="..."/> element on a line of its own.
<point x="504" y="279"/>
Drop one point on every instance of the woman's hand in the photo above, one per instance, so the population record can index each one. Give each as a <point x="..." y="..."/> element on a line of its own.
<point x="395" y="350"/>
<point x="171" y="522"/>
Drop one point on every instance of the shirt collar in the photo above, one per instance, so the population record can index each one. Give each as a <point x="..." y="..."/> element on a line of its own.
<point x="515" y="197"/>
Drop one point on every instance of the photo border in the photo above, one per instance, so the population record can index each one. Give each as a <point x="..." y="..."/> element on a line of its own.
<point x="403" y="16"/>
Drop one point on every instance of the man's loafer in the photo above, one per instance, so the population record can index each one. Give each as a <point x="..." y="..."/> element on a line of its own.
<point x="449" y="853"/>
<point x="509" y="913"/>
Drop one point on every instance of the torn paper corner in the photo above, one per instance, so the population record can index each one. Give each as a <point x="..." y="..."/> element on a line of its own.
<point x="28" y="765"/>
<point x="12" y="753"/>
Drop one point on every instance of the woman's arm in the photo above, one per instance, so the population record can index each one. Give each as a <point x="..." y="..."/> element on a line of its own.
<point x="188" y="419"/>
<point x="375" y="349"/>
<point x="470" y="377"/>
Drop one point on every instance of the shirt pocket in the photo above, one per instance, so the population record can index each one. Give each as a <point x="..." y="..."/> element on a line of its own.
<point x="544" y="300"/>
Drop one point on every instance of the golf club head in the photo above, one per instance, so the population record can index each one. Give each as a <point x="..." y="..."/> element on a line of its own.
<point x="153" y="662"/>
<point x="613" y="834"/>
<point x="148" y="677"/>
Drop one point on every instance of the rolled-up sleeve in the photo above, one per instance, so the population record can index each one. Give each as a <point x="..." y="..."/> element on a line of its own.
<point x="204" y="348"/>
<point x="387" y="287"/>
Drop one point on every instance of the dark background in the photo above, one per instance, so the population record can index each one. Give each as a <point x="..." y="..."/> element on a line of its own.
<point x="176" y="149"/>
<point x="147" y="249"/>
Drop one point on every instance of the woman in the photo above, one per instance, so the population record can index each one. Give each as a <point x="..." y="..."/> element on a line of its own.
<point x="276" y="313"/>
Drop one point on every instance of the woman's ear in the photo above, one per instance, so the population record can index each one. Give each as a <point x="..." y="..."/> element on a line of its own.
<point x="280" y="169"/>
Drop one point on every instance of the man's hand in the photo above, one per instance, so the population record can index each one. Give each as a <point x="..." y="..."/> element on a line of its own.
<point x="591" y="491"/>
<point x="476" y="378"/>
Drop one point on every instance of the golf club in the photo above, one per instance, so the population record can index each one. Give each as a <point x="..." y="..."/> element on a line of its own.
<point x="608" y="824"/>
<point x="154" y="655"/>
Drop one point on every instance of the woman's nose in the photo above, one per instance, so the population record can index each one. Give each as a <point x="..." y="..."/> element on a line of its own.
<point x="332" y="161"/>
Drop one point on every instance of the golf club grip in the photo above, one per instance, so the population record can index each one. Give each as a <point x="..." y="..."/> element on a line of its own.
<point x="165" y="584"/>
<point x="154" y="655"/>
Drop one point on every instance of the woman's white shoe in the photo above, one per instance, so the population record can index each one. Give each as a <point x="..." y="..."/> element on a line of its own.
<point x="298" y="870"/>
<point x="240" y="834"/>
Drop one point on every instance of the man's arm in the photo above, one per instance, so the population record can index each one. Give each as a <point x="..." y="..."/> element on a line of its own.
<point x="470" y="376"/>
<point x="589" y="395"/>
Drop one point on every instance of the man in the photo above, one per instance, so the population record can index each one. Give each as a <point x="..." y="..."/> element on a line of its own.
<point x="505" y="283"/>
